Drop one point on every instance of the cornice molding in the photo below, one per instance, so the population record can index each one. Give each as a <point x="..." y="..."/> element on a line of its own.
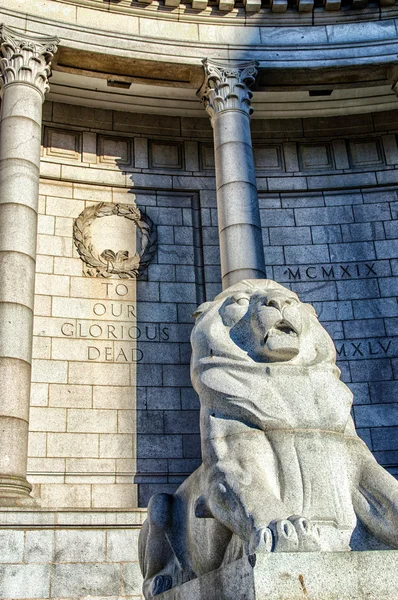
<point x="26" y="58"/>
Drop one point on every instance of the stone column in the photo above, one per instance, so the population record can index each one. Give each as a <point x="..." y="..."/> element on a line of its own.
<point x="226" y="96"/>
<point x="25" y="68"/>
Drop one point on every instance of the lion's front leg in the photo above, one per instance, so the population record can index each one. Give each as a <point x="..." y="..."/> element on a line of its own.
<point x="375" y="497"/>
<point x="242" y="489"/>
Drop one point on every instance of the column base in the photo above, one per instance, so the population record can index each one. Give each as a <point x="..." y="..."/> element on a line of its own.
<point x="15" y="491"/>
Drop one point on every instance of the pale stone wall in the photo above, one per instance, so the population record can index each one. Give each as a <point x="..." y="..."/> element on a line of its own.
<point x="70" y="555"/>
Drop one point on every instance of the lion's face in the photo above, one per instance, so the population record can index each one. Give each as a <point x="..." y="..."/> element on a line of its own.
<point x="260" y="321"/>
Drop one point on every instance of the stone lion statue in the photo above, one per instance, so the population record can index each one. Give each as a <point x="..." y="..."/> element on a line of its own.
<point x="283" y="469"/>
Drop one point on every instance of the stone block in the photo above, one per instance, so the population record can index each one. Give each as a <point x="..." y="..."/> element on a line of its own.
<point x="352" y="252"/>
<point x="340" y="154"/>
<point x="39" y="394"/>
<point x="47" y="419"/>
<point x="371" y="370"/>
<point x="72" y="445"/>
<point x="275" y="217"/>
<point x="48" y="371"/>
<point x="25" y="581"/>
<point x="287" y="236"/>
<point x="70" y="396"/>
<point x="391" y="229"/>
<point x="159" y="446"/>
<point x="186" y="421"/>
<point x="377" y="415"/>
<point x="161" y="272"/>
<point x="312" y="292"/>
<point x="44" y="264"/>
<point x="388" y="286"/>
<point x="165" y="234"/>
<point x="127" y="421"/>
<point x="385" y="438"/>
<point x="358" y="288"/>
<point x="189" y="399"/>
<point x="117" y="445"/>
<point x="62" y="189"/>
<point x="357" y="232"/>
<point x="302" y="201"/>
<point x="12" y="545"/>
<point x="43" y="306"/>
<point x="79" y="546"/>
<point x="54" y="245"/>
<point x="191" y="446"/>
<point x="341" y="125"/>
<point x="67" y="266"/>
<point x="362" y="328"/>
<point x="326" y="233"/>
<point x="148" y="377"/>
<point x="343" y="198"/>
<point x="383" y="391"/>
<point x="45" y="224"/>
<point x="307" y="255"/>
<point x="361" y="393"/>
<point x="183" y="236"/>
<point x="372" y="212"/>
<point x="122" y="545"/>
<point x="273" y="255"/>
<point x="92" y="420"/>
<point x="333" y="311"/>
<point x="177" y="255"/>
<point x="64" y="226"/>
<point x="164" y="398"/>
<point x="37" y="444"/>
<point x="185" y="274"/>
<point x="85" y="117"/>
<point x="150" y="421"/>
<point x="39" y="546"/>
<point x="356" y="180"/>
<point x="131" y="579"/>
<point x="178" y="292"/>
<point x="378" y="307"/>
<point x="387" y="249"/>
<point x="84" y="580"/>
<point x="140" y="153"/>
<point x="99" y="373"/>
<point x="324" y="216"/>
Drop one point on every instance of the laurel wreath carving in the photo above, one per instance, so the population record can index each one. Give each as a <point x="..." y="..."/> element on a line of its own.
<point x="109" y="263"/>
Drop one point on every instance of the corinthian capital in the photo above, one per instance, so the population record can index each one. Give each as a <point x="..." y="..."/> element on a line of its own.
<point x="226" y="87"/>
<point x="26" y="58"/>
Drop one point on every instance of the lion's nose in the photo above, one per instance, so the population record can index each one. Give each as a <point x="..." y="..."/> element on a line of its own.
<point x="275" y="302"/>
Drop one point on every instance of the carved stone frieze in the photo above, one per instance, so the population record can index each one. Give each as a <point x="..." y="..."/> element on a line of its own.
<point x="116" y="263"/>
<point x="26" y="59"/>
<point x="226" y="87"/>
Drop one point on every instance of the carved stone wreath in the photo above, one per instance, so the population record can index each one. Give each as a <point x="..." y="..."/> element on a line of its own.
<point x="109" y="263"/>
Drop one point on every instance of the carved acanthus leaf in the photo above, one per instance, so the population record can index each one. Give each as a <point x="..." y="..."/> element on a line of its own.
<point x="25" y="58"/>
<point x="226" y="87"/>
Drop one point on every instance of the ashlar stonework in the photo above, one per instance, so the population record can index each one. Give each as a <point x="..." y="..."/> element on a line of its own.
<point x="283" y="468"/>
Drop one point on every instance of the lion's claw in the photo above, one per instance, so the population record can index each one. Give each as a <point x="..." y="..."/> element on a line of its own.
<point x="295" y="534"/>
<point x="260" y="541"/>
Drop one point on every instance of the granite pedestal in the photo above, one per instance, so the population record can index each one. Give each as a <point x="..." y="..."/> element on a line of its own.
<point x="299" y="575"/>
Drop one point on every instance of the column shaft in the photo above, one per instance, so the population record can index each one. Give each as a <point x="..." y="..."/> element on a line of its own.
<point x="24" y="82"/>
<point x="227" y="99"/>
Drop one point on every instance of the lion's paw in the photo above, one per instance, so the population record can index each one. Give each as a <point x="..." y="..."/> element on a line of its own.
<point x="307" y="533"/>
<point x="295" y="534"/>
